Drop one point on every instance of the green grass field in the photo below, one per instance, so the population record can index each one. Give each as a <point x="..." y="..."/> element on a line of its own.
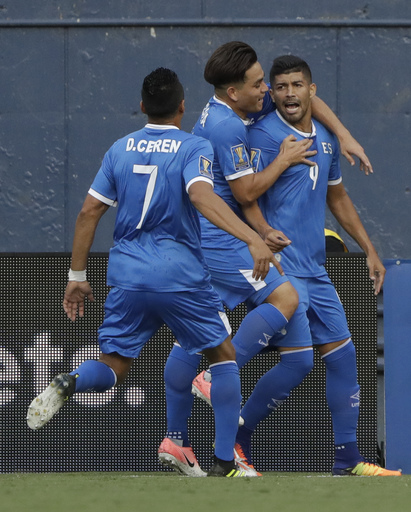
<point x="152" y="492"/>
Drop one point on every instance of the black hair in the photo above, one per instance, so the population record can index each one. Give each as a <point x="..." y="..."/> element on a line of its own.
<point x="287" y="64"/>
<point x="162" y="93"/>
<point x="229" y="64"/>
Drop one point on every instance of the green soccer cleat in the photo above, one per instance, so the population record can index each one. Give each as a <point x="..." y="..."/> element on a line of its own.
<point x="365" y="469"/>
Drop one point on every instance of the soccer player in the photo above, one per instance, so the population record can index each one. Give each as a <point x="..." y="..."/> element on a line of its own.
<point x="157" y="176"/>
<point x="296" y="204"/>
<point x="238" y="80"/>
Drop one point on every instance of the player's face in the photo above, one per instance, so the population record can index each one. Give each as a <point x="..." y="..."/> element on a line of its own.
<point x="249" y="95"/>
<point x="292" y="95"/>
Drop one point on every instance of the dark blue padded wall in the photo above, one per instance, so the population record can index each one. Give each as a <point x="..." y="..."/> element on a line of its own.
<point x="70" y="78"/>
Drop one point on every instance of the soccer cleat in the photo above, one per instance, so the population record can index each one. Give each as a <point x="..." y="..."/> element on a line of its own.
<point x="228" y="469"/>
<point x="201" y="388"/>
<point x="50" y="401"/>
<point x="364" y="468"/>
<point x="244" y="462"/>
<point x="179" y="458"/>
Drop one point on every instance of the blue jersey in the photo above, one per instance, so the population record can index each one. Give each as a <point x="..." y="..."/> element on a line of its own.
<point x="228" y="134"/>
<point x="296" y="203"/>
<point x="157" y="232"/>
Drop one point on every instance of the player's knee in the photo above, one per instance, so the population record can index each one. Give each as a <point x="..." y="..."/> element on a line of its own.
<point x="119" y="364"/>
<point x="285" y="299"/>
<point x="307" y="363"/>
<point x="224" y="352"/>
<point x="300" y="361"/>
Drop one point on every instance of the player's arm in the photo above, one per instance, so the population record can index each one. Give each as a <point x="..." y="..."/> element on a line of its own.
<point x="275" y="239"/>
<point x="219" y="213"/>
<point x="344" y="211"/>
<point x="84" y="232"/>
<point x="348" y="145"/>
<point x="250" y="187"/>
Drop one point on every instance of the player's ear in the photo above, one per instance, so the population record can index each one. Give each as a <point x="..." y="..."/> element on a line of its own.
<point x="272" y="95"/>
<point x="142" y="107"/>
<point x="313" y="90"/>
<point x="232" y="93"/>
<point x="182" y="107"/>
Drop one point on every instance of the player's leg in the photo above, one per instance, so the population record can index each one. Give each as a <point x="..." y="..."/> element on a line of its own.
<point x="119" y="345"/>
<point x="179" y="372"/>
<point x="271" y="304"/>
<point x="226" y="402"/>
<point x="264" y="321"/>
<point x="274" y="387"/>
<point x="198" y="321"/>
<point x="332" y="338"/>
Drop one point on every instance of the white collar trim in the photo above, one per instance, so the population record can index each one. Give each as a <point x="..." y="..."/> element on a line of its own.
<point x="161" y="126"/>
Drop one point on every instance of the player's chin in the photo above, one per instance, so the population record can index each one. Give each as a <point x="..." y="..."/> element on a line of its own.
<point x="258" y="107"/>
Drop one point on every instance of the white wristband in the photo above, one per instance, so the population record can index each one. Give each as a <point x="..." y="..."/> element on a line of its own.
<point x="77" y="275"/>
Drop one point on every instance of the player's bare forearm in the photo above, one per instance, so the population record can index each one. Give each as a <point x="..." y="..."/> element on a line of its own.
<point x="221" y="215"/>
<point x="276" y="240"/>
<point x="344" y="211"/>
<point x="349" y="146"/>
<point x="86" y="225"/>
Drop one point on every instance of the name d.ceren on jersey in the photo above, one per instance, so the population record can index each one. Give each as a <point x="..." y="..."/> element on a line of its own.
<point x="153" y="146"/>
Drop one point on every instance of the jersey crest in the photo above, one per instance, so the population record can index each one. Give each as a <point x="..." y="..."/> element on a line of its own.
<point x="240" y="157"/>
<point x="206" y="167"/>
<point x="255" y="158"/>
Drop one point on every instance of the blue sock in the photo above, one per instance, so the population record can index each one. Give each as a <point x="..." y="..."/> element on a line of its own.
<point x="179" y="372"/>
<point x="275" y="386"/>
<point x="94" y="376"/>
<point x="258" y="326"/>
<point x="226" y="401"/>
<point x="343" y="397"/>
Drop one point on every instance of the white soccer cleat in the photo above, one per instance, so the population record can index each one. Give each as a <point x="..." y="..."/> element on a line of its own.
<point x="50" y="401"/>
<point x="179" y="458"/>
<point x="243" y="462"/>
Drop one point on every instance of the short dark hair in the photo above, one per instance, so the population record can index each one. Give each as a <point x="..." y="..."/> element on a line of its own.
<point x="229" y="64"/>
<point x="287" y="64"/>
<point x="162" y="93"/>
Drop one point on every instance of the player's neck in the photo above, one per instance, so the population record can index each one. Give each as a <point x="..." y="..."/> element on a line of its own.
<point x="164" y="122"/>
<point x="305" y="123"/>
<point x="232" y="104"/>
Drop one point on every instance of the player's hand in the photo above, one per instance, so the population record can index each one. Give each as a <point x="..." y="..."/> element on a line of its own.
<point x="262" y="257"/>
<point x="297" y="151"/>
<point x="276" y="240"/>
<point x="74" y="296"/>
<point x="349" y="147"/>
<point x="376" y="271"/>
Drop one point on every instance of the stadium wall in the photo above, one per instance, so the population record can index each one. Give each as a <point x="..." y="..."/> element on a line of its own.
<point x="70" y="74"/>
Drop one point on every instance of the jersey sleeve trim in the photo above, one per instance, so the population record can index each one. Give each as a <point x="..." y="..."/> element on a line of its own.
<point x="103" y="199"/>
<point x="240" y="174"/>
<point x="335" y="182"/>
<point x="199" y="178"/>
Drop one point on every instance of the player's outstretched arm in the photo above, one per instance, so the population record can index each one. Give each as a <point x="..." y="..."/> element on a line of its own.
<point x="219" y="213"/>
<point x="349" y="147"/>
<point x="344" y="211"/>
<point x="86" y="225"/>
